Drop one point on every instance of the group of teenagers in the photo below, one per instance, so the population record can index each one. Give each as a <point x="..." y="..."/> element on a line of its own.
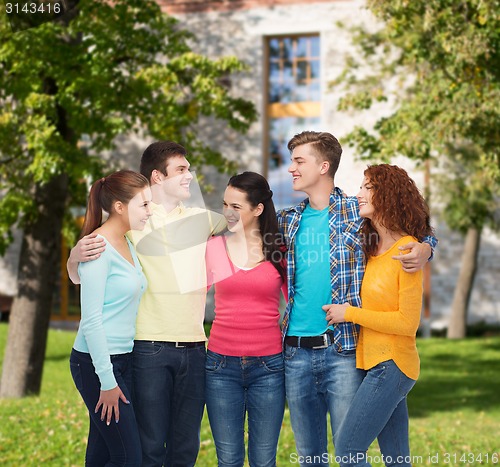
<point x="349" y="269"/>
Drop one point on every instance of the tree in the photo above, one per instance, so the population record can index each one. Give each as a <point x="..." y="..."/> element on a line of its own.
<point x="439" y="63"/>
<point x="103" y="70"/>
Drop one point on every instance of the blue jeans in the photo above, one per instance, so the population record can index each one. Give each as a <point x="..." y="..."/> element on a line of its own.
<point x="318" y="381"/>
<point x="169" y="399"/>
<point x="239" y="385"/>
<point x="378" y="411"/>
<point x="115" y="444"/>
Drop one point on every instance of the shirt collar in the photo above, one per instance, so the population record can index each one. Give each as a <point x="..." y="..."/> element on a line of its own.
<point x="335" y="194"/>
<point x="159" y="210"/>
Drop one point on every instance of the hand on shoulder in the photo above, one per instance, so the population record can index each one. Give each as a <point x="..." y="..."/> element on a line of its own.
<point x="88" y="248"/>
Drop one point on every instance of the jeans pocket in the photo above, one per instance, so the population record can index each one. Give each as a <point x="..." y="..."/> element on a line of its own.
<point x="274" y="363"/>
<point x="146" y="348"/>
<point x="405" y="384"/>
<point x="289" y="352"/>
<point x="213" y="361"/>
<point x="202" y="350"/>
<point x="379" y="371"/>
<point x="351" y="353"/>
<point x="76" y="373"/>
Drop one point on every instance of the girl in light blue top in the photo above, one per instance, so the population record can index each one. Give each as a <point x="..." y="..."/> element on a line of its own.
<point x="111" y="288"/>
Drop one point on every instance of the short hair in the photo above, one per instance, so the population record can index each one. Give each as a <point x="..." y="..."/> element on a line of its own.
<point x="156" y="155"/>
<point x="326" y="146"/>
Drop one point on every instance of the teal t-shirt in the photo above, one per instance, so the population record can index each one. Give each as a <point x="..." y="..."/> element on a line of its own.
<point x="312" y="274"/>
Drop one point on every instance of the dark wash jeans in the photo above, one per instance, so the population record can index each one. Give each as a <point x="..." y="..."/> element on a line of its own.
<point x="117" y="444"/>
<point x="169" y="398"/>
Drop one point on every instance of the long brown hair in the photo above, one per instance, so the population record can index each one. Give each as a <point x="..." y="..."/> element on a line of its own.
<point x="398" y="206"/>
<point x="119" y="186"/>
<point x="257" y="191"/>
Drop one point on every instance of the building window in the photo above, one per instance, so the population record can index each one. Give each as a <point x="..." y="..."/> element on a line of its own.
<point x="293" y="105"/>
<point x="66" y="297"/>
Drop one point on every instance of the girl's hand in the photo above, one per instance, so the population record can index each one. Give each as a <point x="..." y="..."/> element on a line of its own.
<point x="109" y="402"/>
<point x="335" y="313"/>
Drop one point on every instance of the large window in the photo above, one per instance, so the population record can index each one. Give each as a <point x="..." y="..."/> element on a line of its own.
<point x="66" y="297"/>
<point x="293" y="104"/>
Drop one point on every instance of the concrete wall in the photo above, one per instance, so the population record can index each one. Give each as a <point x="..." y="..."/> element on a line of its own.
<point x="242" y="33"/>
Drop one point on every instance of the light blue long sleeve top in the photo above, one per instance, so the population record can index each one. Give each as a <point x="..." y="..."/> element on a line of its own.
<point x="110" y="291"/>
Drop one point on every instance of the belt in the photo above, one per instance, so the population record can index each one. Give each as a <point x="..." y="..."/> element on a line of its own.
<point x="310" y="342"/>
<point x="182" y="344"/>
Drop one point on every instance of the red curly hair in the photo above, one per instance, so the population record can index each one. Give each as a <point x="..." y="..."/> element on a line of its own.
<point x="398" y="205"/>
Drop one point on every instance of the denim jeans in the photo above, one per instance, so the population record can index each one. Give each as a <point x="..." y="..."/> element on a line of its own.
<point x="378" y="410"/>
<point x="169" y="397"/>
<point x="115" y="444"/>
<point x="318" y="381"/>
<point x="236" y="386"/>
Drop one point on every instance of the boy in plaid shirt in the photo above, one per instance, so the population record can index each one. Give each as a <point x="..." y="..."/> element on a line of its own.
<point x="325" y="265"/>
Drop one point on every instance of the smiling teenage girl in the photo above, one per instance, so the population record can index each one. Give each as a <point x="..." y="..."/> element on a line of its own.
<point x="111" y="287"/>
<point x="394" y="213"/>
<point x="244" y="367"/>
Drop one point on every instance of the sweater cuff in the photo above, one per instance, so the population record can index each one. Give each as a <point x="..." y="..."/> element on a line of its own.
<point x="108" y="381"/>
<point x="350" y="313"/>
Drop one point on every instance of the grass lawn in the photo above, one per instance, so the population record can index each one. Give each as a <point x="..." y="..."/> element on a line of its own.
<point x="454" y="410"/>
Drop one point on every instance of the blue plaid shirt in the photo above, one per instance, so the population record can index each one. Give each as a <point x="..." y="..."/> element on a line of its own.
<point x="347" y="261"/>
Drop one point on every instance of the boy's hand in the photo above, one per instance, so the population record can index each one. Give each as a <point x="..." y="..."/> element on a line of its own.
<point x="88" y="248"/>
<point x="416" y="258"/>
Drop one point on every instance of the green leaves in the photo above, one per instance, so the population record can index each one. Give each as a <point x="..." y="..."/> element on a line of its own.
<point x="441" y="59"/>
<point x="69" y="88"/>
<point x="470" y="193"/>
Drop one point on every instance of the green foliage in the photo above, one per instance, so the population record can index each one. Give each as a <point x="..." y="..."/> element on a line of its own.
<point x="438" y="61"/>
<point x="470" y="189"/>
<point x="457" y="392"/>
<point x="70" y="87"/>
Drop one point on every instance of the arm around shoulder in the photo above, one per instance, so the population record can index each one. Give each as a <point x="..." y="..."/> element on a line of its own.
<point x="432" y="242"/>
<point x="88" y="248"/>
<point x="72" y="268"/>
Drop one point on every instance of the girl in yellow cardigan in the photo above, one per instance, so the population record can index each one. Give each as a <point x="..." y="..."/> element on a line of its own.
<point x="395" y="213"/>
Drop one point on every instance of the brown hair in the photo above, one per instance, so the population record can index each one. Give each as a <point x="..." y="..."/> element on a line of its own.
<point x="119" y="186"/>
<point x="327" y="147"/>
<point x="398" y="205"/>
<point x="257" y="190"/>
<point x="156" y="156"/>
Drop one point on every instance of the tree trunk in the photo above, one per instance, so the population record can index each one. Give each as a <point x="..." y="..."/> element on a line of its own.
<point x="31" y="309"/>
<point x="458" y="318"/>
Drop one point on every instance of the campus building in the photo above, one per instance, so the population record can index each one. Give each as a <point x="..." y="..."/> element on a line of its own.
<point x="294" y="50"/>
